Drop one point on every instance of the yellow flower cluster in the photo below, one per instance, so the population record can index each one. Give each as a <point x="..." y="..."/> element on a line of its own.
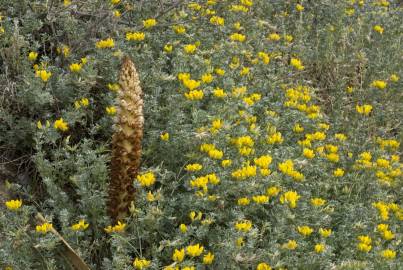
<point x="44" y="228"/>
<point x="287" y="168"/>
<point x="146" y="179"/>
<point x="244" y="172"/>
<point x="61" y="125"/>
<point x="243" y="225"/>
<point x="80" y="226"/>
<point x="290" y="197"/>
<point x="119" y="227"/>
<point x="135" y="36"/>
<point x="13" y="204"/>
<point x="105" y="43"/>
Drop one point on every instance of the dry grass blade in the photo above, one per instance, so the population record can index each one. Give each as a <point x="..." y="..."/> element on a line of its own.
<point x="69" y="254"/>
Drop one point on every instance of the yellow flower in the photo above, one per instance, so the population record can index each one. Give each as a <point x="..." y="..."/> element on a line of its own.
<point x="350" y="11"/>
<point x="387" y="235"/>
<point x="349" y="89"/>
<point x="117" y="13"/>
<point x="244" y="71"/>
<point x="178" y="255"/>
<point x="115" y="2"/>
<point x="149" y="23"/>
<point x="263" y="161"/>
<point x="244" y="172"/>
<point x="226" y="163"/>
<point x="207" y="78"/>
<point x="119" y="227"/>
<point x="273" y="191"/>
<point x="308" y="153"/>
<point x="179" y="29"/>
<point x="243" y="226"/>
<point x="183" y="228"/>
<point x="219" y="71"/>
<point x="394" y="78"/>
<point x="190" y="84"/>
<point x="150" y="196"/>
<point x="298" y="128"/>
<point x="378" y="28"/>
<point x="243" y="201"/>
<point x="382" y="227"/>
<point x="296" y="63"/>
<point x="288" y="38"/>
<point x="141" y="263"/>
<point x="13" y="204"/>
<point x="260" y="199"/>
<point x="319" y="248"/>
<point x="305" y="230"/>
<point x="66" y="3"/>
<point x="111" y="110"/>
<point x="75" y="67"/>
<point x="274" y="138"/>
<point x="299" y="7"/>
<point x="340" y="136"/>
<point x="365" y="239"/>
<point x="216" y="20"/>
<point x="364" y="247"/>
<point x="43" y="74"/>
<point x="44" y="228"/>
<point x="194" y="95"/>
<point x="106" y="43"/>
<point x="237" y="37"/>
<point x="190" y="48"/>
<point x="65" y="50"/>
<point x="215" y="154"/>
<point x="379" y="84"/>
<point x="247" y="3"/>
<point x="194" y="250"/>
<point x="291" y="245"/>
<point x="364" y="109"/>
<point x="325" y="232"/>
<point x="113" y="87"/>
<point x="264" y="57"/>
<point x="318" y="201"/>
<point x="80" y="226"/>
<point x="164" y="136"/>
<point x="290" y="197"/>
<point x="263" y="266"/>
<point x="240" y="242"/>
<point x="135" y="36"/>
<point x="146" y="179"/>
<point x="193" y="167"/>
<point x="274" y="37"/>
<point x="239" y="8"/>
<point x="388" y="254"/>
<point x="383" y="210"/>
<point x="383" y="163"/>
<point x="208" y="258"/>
<point x="339" y="172"/>
<point x="32" y="56"/>
<point x="61" y="125"/>
<point x="168" y="48"/>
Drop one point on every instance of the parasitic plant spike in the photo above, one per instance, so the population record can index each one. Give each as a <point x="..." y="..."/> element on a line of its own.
<point x="126" y="141"/>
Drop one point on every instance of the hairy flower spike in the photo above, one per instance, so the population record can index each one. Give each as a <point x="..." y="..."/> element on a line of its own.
<point x="126" y="142"/>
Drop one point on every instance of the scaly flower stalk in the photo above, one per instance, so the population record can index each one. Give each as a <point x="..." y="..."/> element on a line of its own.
<point x="126" y="141"/>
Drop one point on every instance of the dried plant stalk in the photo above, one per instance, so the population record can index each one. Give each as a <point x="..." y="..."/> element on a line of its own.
<point x="67" y="252"/>
<point x="126" y="141"/>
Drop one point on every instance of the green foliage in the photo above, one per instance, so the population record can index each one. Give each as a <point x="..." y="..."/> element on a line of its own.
<point x="59" y="132"/>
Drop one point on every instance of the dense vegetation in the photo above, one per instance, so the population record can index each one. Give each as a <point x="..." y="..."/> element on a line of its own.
<point x="272" y="134"/>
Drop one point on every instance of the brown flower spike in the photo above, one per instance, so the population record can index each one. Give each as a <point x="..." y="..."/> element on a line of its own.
<point x="126" y="141"/>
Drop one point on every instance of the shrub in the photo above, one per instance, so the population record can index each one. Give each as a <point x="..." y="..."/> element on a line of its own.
<point x="271" y="134"/>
